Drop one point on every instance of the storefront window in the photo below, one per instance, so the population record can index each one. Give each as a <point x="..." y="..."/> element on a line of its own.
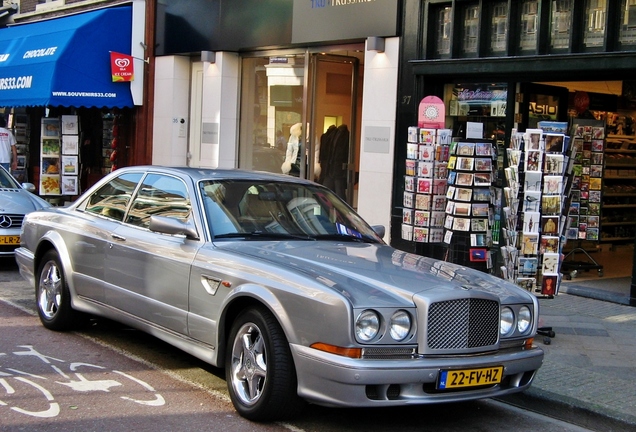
<point x="444" y="31"/>
<point x="560" y="24"/>
<point x="474" y="102"/>
<point x="627" y="34"/>
<point x="470" y="30"/>
<point x="529" y="23"/>
<point x="273" y="87"/>
<point x="499" y="27"/>
<point x="596" y="13"/>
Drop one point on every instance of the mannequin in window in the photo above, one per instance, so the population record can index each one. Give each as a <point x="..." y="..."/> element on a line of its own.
<point x="293" y="154"/>
<point x="334" y="157"/>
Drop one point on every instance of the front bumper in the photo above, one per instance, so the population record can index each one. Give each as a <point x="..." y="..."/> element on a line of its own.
<point x="25" y="260"/>
<point x="8" y="249"/>
<point x="331" y="380"/>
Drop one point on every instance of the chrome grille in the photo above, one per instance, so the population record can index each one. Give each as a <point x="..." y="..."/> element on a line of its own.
<point x="11" y="220"/>
<point x="462" y="324"/>
<point x="388" y="353"/>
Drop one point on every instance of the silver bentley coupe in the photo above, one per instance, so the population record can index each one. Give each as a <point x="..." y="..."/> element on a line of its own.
<point x="279" y="282"/>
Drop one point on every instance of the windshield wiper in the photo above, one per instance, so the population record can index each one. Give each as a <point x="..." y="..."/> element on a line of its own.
<point x="344" y="237"/>
<point x="263" y="235"/>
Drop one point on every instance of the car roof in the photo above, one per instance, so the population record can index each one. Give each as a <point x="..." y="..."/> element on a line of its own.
<point x="198" y="174"/>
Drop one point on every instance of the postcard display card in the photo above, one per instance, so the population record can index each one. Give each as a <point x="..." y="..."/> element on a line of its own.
<point x="70" y="155"/>
<point x="538" y="181"/>
<point x="50" y="157"/>
<point x="425" y="184"/>
<point x="584" y="219"/>
<point x="469" y="212"/>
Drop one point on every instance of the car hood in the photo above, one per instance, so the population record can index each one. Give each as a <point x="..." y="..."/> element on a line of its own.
<point x="375" y="274"/>
<point x="20" y="201"/>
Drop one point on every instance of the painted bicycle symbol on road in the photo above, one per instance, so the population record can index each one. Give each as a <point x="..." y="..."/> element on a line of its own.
<point x="22" y="388"/>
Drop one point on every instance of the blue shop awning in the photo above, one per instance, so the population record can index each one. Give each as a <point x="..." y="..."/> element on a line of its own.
<point x="66" y="61"/>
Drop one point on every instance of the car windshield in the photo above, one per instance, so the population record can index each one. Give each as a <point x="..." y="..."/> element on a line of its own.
<point x="277" y="209"/>
<point x="7" y="181"/>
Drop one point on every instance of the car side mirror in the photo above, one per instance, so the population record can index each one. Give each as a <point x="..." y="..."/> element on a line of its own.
<point x="29" y="187"/>
<point x="380" y="230"/>
<point x="170" y="225"/>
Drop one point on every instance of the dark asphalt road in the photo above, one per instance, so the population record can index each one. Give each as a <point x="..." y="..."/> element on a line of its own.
<point x="64" y="381"/>
<point x="109" y="377"/>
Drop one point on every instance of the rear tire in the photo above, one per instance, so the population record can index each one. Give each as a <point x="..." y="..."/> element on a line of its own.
<point x="53" y="297"/>
<point x="259" y="368"/>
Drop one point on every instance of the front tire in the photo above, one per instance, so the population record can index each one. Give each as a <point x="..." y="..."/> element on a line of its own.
<point x="259" y="368"/>
<point x="52" y="295"/>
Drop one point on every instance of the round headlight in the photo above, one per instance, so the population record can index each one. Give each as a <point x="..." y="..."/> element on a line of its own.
<point x="524" y="320"/>
<point x="507" y="321"/>
<point x="367" y="325"/>
<point x="400" y="325"/>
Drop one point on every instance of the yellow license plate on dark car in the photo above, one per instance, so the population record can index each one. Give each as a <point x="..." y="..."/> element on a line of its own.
<point x="450" y="379"/>
<point x="9" y="239"/>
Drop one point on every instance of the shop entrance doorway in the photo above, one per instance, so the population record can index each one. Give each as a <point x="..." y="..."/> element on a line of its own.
<point x="333" y="132"/>
<point x="289" y="101"/>
<point x="542" y="103"/>
<point x="609" y="156"/>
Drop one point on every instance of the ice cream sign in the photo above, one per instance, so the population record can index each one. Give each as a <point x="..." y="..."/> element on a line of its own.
<point x="121" y="66"/>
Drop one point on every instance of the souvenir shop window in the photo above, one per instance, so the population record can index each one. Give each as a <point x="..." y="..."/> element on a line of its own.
<point x="483" y="102"/>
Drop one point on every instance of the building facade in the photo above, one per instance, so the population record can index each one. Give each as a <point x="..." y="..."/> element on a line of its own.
<point x="56" y="65"/>
<point x="568" y="61"/>
<point x="257" y="85"/>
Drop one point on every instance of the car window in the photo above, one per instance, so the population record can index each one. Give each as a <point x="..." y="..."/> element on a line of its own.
<point x="218" y="216"/>
<point x="6" y="181"/>
<point x="112" y="199"/>
<point x="282" y="208"/>
<point x="159" y="195"/>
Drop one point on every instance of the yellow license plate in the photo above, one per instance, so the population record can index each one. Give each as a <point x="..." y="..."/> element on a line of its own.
<point x="9" y="239"/>
<point x="450" y="379"/>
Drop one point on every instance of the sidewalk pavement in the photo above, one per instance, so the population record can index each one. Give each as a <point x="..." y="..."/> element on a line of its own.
<point x="589" y="370"/>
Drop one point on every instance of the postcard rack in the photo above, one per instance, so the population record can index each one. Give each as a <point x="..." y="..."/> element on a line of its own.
<point x="424" y="197"/>
<point x="59" y="160"/>
<point x="585" y="197"/>
<point x="539" y="179"/>
<point x="470" y="221"/>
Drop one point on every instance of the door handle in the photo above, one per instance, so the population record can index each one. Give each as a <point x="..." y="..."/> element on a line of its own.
<point x="118" y="237"/>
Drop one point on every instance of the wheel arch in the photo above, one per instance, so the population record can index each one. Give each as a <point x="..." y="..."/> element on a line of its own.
<point x="250" y="296"/>
<point x="53" y="241"/>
